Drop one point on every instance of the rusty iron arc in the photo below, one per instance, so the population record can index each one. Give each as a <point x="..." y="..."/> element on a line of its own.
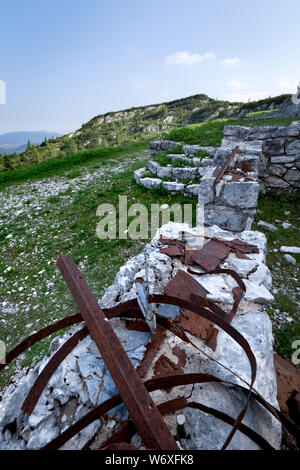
<point x="155" y="384"/>
<point x="130" y="310"/>
<point x="148" y="421"/>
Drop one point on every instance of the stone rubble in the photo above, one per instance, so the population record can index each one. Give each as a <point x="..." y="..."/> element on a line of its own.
<point x="82" y="380"/>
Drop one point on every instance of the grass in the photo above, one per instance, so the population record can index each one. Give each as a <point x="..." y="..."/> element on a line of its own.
<point x="284" y="312"/>
<point x="162" y="159"/>
<point x="179" y="163"/>
<point x="63" y="223"/>
<point x="202" y="153"/>
<point x="261" y="113"/>
<point x="59" y="165"/>
<point x="210" y="133"/>
<point x="178" y="149"/>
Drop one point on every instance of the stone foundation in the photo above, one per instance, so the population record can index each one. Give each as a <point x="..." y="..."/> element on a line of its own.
<point x="82" y="381"/>
<point x="278" y="149"/>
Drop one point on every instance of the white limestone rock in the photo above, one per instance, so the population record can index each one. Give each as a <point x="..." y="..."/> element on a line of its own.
<point x="262" y="276"/>
<point x="257" y="293"/>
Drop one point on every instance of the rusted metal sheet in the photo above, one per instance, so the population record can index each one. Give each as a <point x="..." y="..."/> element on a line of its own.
<point x="95" y="321"/>
<point x="246" y="166"/>
<point x="152" y="349"/>
<point x="223" y="169"/>
<point x="148" y="421"/>
<point x="164" y="366"/>
<point x="182" y="285"/>
<point x="174" y="247"/>
<point x="210" y="255"/>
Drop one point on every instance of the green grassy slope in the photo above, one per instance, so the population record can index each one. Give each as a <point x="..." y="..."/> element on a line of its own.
<point x="135" y="125"/>
<point x="50" y="208"/>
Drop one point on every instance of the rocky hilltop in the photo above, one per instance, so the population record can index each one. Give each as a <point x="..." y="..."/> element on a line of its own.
<point x="139" y="124"/>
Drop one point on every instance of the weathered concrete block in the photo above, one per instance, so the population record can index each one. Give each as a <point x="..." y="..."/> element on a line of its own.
<point x="265" y="132"/>
<point x="173" y="186"/>
<point x="164" y="171"/>
<point x="241" y="194"/>
<point x="277" y="170"/>
<point x="221" y="155"/>
<point x="193" y="189"/>
<point x="292" y="175"/>
<point x="205" y="192"/>
<point x="191" y="149"/>
<point x="225" y="217"/>
<point x="273" y="146"/>
<point x="184" y="173"/>
<point x="168" y="144"/>
<point x="150" y="183"/>
<point x="284" y="159"/>
<point x="293" y="148"/>
<point x="277" y="183"/>
<point x="138" y="173"/>
<point x="153" y="166"/>
<point x="291" y="131"/>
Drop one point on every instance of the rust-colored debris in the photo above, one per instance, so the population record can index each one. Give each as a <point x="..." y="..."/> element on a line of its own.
<point x="210" y="255"/>
<point x="288" y="383"/>
<point x="238" y="171"/>
<point x="164" y="366"/>
<point x="152" y="348"/>
<point x="184" y="286"/>
<point x="174" y="247"/>
<point x="148" y="421"/>
<point x="144" y="413"/>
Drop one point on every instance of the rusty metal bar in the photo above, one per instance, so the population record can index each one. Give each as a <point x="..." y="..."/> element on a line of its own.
<point x="44" y="377"/>
<point x="163" y="383"/>
<point x="226" y="165"/>
<point x="148" y="421"/>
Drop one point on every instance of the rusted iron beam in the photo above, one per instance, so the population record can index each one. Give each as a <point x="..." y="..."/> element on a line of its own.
<point x="145" y="415"/>
<point x="224" y="168"/>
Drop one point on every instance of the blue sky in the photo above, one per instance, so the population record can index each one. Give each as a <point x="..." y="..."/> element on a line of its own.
<point x="65" y="61"/>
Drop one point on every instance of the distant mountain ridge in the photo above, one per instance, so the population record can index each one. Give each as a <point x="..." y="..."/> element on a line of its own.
<point x="17" y="141"/>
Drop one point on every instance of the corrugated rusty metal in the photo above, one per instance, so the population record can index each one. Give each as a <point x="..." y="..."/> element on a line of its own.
<point x="148" y="421"/>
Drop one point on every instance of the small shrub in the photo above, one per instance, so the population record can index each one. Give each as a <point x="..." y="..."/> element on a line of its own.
<point x="178" y="149"/>
<point x="53" y="199"/>
<point x="147" y="174"/>
<point x="202" y="153"/>
<point x="162" y="159"/>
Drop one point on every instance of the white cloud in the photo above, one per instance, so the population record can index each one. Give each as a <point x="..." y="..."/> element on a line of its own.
<point x="186" y="58"/>
<point x="244" y="97"/>
<point x="231" y="62"/>
<point x="236" y="84"/>
<point x="287" y="84"/>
